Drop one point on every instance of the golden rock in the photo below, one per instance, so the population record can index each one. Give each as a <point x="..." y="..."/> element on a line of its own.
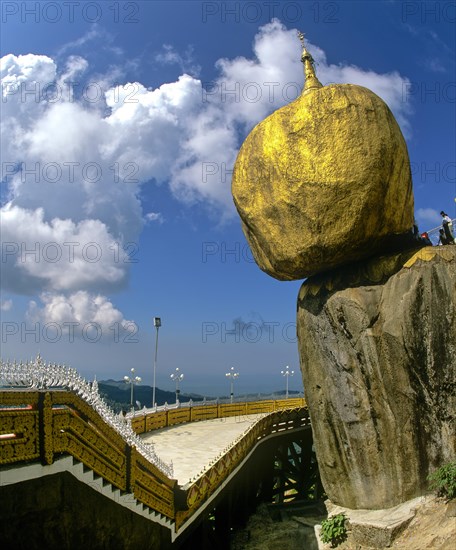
<point x="323" y="181"/>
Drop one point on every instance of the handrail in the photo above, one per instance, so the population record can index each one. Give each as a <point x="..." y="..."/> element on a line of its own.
<point x="48" y="411"/>
<point x="42" y="425"/>
<point x="45" y="424"/>
<point x="440" y="226"/>
<point x="37" y="374"/>
<point x="155" y="420"/>
<point x="204" y="402"/>
<point x="433" y="233"/>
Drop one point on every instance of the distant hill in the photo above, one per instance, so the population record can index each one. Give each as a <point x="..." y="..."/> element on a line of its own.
<point x="116" y="393"/>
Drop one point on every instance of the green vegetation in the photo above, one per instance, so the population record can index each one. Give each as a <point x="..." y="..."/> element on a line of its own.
<point x="333" y="530"/>
<point x="117" y="395"/>
<point x="443" y="480"/>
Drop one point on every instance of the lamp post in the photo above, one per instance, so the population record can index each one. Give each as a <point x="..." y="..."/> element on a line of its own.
<point x="232" y="376"/>
<point x="287" y="373"/>
<point x="177" y="377"/>
<point x="157" y="325"/>
<point x="132" y="380"/>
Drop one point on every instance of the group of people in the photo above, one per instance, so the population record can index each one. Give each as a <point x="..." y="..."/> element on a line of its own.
<point x="445" y="233"/>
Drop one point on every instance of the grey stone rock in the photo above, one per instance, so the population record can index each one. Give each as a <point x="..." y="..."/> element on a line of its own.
<point x="377" y="342"/>
<point x="451" y="509"/>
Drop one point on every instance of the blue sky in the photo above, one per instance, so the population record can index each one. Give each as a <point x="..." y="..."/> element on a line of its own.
<point x="121" y="122"/>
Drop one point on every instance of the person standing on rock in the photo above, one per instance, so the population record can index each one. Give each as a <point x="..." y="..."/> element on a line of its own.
<point x="446" y="225"/>
<point x="443" y="239"/>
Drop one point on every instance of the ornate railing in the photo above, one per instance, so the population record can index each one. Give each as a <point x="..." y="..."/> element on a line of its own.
<point x="46" y="424"/>
<point x="40" y="375"/>
<point x="200" y="488"/>
<point x="217" y="401"/>
<point x="145" y="421"/>
<point x="47" y="411"/>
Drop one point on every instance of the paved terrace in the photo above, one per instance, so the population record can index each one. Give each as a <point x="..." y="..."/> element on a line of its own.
<point x="193" y="446"/>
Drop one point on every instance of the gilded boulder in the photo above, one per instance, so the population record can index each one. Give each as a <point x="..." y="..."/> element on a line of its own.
<point x="323" y="181"/>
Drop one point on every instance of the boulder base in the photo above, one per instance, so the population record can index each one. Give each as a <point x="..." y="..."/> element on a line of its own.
<point x="378" y="357"/>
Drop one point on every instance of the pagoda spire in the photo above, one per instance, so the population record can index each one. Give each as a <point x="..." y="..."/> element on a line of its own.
<point x="311" y="80"/>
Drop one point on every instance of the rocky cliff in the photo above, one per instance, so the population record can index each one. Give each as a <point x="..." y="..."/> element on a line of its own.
<point x="377" y="342"/>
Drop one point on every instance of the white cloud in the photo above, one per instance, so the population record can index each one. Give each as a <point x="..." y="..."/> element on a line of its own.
<point x="247" y="90"/>
<point x="79" y="313"/>
<point x="74" y="68"/>
<point x="178" y="133"/>
<point x="94" y="34"/>
<point x="23" y="80"/>
<point x="275" y="76"/>
<point x="150" y="126"/>
<point x="20" y="73"/>
<point x="186" y="61"/>
<point x="435" y="65"/>
<point x="6" y="305"/>
<point x="154" y="217"/>
<point x="84" y="161"/>
<point x="428" y="216"/>
<point x="59" y="255"/>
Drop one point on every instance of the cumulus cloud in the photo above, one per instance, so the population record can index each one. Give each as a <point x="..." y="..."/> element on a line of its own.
<point x="185" y="133"/>
<point x="79" y="314"/>
<point x="428" y="216"/>
<point x="76" y="161"/>
<point x="6" y="305"/>
<point x="59" y="255"/>
<point x="246" y="91"/>
<point x="274" y="77"/>
<point x="23" y="79"/>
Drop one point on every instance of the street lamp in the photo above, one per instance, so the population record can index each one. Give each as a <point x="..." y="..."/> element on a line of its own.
<point x="157" y="325"/>
<point x="287" y="373"/>
<point x="232" y="376"/>
<point x="177" y="377"/>
<point x="132" y="380"/>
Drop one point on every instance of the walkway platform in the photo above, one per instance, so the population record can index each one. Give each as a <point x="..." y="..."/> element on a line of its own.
<point x="194" y="445"/>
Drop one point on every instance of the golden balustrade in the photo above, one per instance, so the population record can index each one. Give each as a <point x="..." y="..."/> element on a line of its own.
<point x="280" y="420"/>
<point x="42" y="425"/>
<point x="147" y="422"/>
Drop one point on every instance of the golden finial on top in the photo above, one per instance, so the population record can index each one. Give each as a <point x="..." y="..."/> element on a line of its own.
<point x="305" y="54"/>
<point x="309" y="67"/>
